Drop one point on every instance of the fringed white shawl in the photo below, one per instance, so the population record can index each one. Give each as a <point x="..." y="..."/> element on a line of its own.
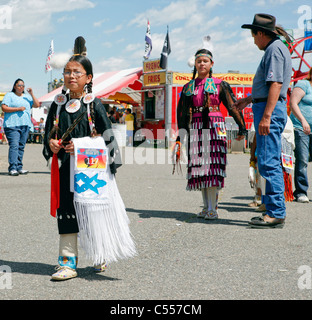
<point x="104" y="232"/>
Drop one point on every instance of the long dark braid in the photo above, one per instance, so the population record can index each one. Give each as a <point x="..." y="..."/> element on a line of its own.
<point x="194" y="73"/>
<point x="92" y="113"/>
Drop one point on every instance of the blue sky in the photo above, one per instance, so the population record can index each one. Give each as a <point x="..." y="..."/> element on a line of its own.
<point x="115" y="31"/>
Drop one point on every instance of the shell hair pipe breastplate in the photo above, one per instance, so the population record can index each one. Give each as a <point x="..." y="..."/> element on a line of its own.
<point x="73" y="106"/>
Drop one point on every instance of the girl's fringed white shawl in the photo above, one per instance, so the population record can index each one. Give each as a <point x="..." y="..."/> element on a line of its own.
<point x="102" y="219"/>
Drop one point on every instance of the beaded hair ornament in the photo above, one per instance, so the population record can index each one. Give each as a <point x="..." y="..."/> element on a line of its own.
<point x="206" y="45"/>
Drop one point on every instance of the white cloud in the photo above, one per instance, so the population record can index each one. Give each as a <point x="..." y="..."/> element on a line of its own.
<point x="269" y="3"/>
<point x="111" y="64"/>
<point x="242" y="51"/>
<point x="98" y="24"/>
<point x="260" y="3"/>
<point x="175" y="11"/>
<point x="191" y="21"/>
<point x="65" y="18"/>
<point x="116" y="29"/>
<point x="5" y="87"/>
<point x="213" y="3"/>
<point x="107" y="44"/>
<point x="31" y="18"/>
<point x="134" y="46"/>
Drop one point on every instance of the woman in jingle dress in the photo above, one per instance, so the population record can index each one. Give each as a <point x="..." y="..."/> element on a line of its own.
<point x="199" y="116"/>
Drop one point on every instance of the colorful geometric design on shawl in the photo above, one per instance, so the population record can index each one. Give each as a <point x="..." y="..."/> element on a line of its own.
<point x="210" y="86"/>
<point x="84" y="182"/>
<point x="190" y="88"/>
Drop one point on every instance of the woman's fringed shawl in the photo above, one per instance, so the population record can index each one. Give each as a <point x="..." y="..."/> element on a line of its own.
<point x="103" y="223"/>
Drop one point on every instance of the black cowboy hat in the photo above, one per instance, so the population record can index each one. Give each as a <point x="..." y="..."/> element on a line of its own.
<point x="262" y="22"/>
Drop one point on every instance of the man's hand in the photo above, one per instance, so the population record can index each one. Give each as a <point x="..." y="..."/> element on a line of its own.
<point x="242" y="103"/>
<point x="274" y="92"/>
<point x="264" y="126"/>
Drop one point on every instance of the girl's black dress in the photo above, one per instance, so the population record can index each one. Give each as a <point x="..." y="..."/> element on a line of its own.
<point x="66" y="216"/>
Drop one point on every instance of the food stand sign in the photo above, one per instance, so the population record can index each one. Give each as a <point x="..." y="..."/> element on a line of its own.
<point x="231" y="78"/>
<point x="151" y="66"/>
<point x="154" y="79"/>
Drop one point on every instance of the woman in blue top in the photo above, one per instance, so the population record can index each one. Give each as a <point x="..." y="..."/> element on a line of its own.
<point x="17" y="120"/>
<point x="301" y="116"/>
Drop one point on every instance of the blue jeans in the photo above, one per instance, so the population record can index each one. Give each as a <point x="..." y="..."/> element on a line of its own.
<point x="17" y="137"/>
<point x="302" y="142"/>
<point x="269" y="158"/>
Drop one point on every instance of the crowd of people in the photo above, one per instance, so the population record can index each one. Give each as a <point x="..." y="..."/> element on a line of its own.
<point x="75" y="136"/>
<point x="127" y="117"/>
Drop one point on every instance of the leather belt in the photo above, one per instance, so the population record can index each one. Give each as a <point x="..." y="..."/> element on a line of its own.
<point x="214" y="109"/>
<point x="201" y="109"/>
<point x="197" y="109"/>
<point x="257" y="100"/>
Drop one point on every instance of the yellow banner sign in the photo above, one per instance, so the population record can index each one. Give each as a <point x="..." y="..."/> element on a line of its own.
<point x="236" y="78"/>
<point x="151" y="66"/>
<point x="154" y="79"/>
<point x="231" y="78"/>
<point x="181" y="78"/>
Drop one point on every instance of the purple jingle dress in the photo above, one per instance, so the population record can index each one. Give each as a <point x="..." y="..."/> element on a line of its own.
<point x="200" y="120"/>
<point x="207" y="144"/>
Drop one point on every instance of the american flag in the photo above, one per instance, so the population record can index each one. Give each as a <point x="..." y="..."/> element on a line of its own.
<point x="148" y="42"/>
<point x="50" y="54"/>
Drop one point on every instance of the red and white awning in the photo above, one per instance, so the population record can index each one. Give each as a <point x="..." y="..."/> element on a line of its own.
<point x="111" y="86"/>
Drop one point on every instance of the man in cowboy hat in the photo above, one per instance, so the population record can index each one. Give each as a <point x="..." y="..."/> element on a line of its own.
<point x="269" y="92"/>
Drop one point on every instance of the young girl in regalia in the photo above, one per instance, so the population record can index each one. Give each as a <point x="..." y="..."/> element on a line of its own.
<point x="85" y="157"/>
<point x="200" y="119"/>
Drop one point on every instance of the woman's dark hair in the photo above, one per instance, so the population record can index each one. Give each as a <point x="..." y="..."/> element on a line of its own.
<point x="198" y="52"/>
<point x="15" y="83"/>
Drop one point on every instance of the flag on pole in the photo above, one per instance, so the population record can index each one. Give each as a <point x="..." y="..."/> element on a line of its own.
<point x="148" y="42"/>
<point x="165" y="52"/>
<point x="50" y="54"/>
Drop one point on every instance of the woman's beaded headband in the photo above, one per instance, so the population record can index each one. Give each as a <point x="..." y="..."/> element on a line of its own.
<point x="204" y="55"/>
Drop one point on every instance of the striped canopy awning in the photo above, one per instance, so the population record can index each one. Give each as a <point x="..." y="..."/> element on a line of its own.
<point x="117" y="86"/>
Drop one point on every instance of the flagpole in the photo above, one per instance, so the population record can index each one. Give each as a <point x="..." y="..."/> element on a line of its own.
<point x="167" y="45"/>
<point x="52" y="41"/>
